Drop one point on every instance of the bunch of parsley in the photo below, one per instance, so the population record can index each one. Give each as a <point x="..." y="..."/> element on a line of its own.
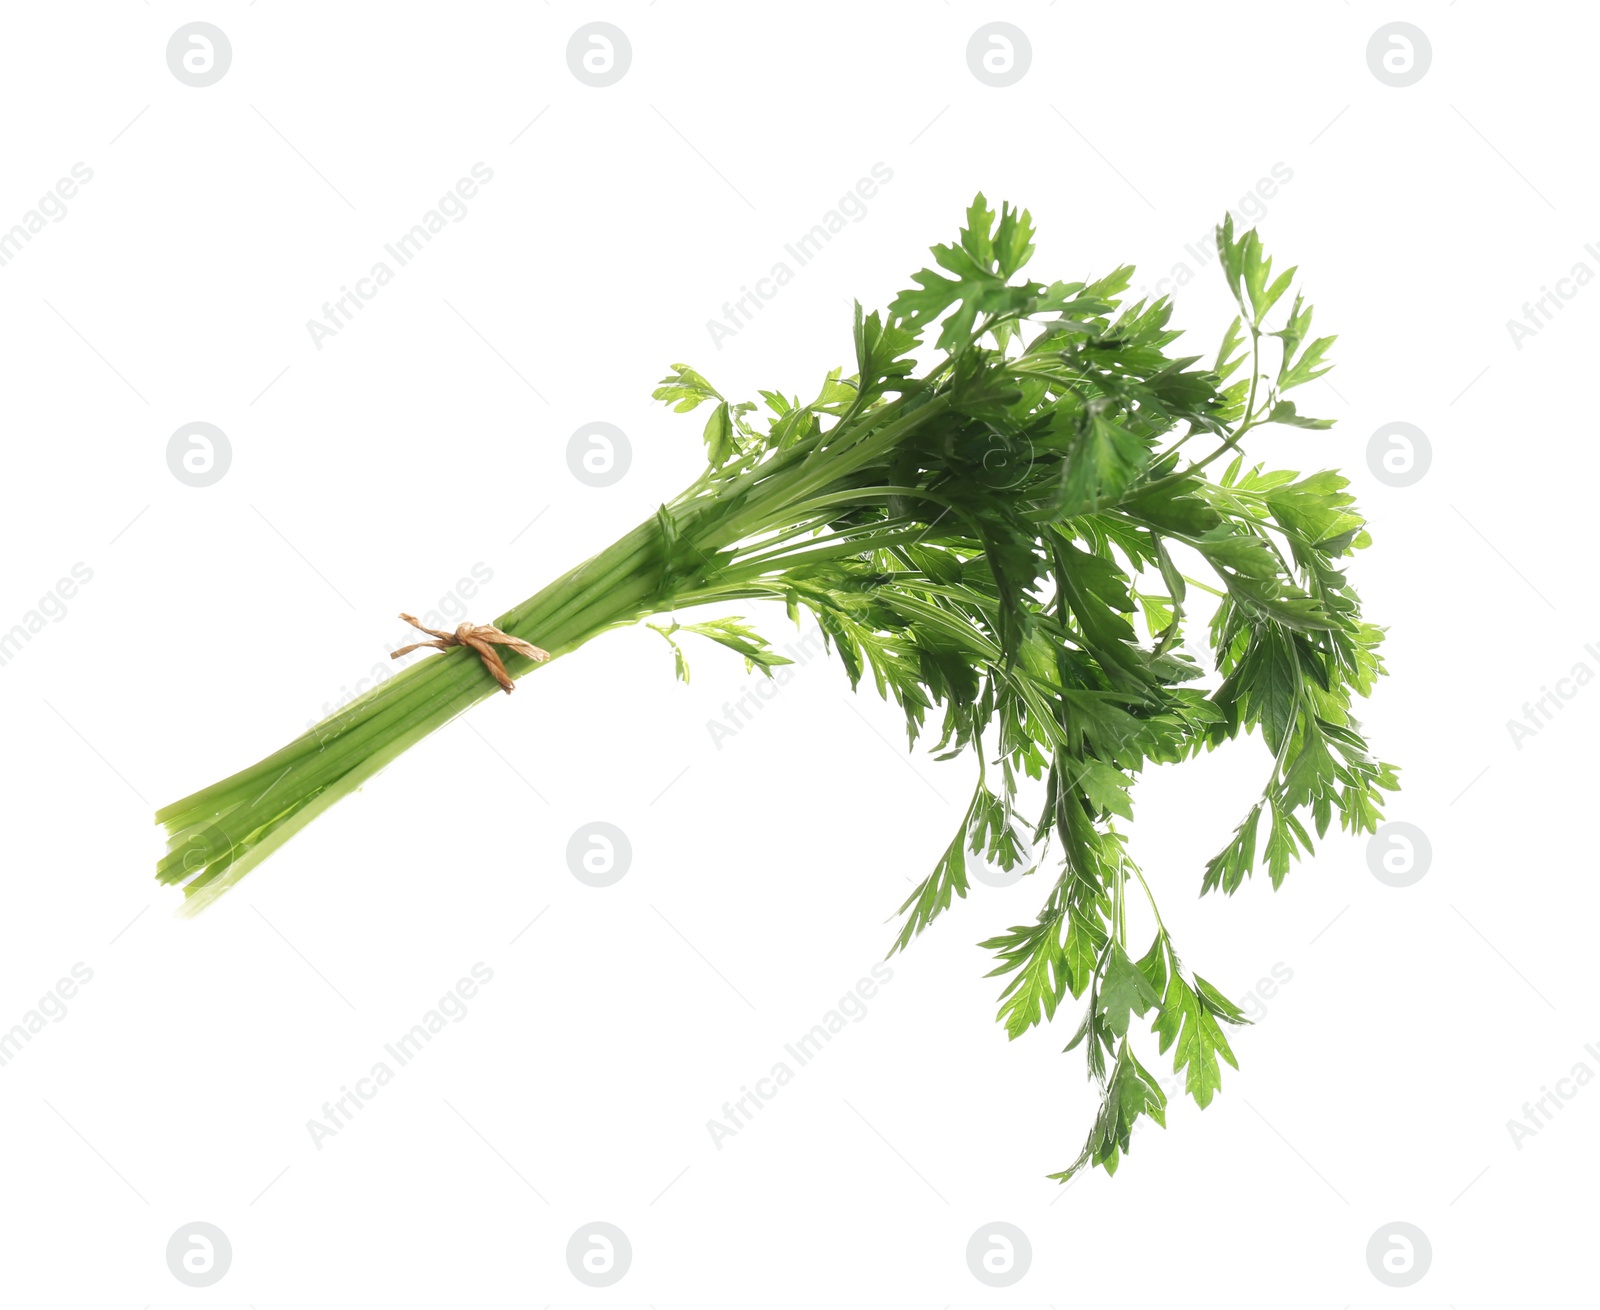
<point x="977" y="535"/>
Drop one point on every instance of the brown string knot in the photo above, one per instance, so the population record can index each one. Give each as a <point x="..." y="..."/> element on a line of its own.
<point x="482" y="638"/>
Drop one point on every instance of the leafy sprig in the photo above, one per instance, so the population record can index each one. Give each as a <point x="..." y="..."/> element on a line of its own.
<point x="981" y="524"/>
<point x="1048" y="475"/>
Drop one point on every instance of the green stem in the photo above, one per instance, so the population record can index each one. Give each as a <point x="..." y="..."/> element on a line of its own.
<point x="243" y="818"/>
<point x="219" y="833"/>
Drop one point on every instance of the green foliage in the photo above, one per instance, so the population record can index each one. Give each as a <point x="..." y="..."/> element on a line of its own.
<point x="1043" y="483"/>
<point x="1006" y="520"/>
<point x="732" y="633"/>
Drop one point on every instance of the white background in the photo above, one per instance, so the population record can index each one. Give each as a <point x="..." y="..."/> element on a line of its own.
<point x="369" y="475"/>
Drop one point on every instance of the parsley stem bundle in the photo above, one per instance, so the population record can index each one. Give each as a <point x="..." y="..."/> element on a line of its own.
<point x="980" y="540"/>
